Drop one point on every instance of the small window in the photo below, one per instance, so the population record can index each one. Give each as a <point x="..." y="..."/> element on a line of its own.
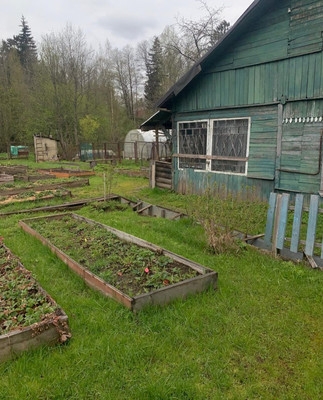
<point x="229" y="145"/>
<point x="192" y="140"/>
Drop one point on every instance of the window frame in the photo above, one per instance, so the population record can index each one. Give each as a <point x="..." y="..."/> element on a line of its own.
<point x="208" y="157"/>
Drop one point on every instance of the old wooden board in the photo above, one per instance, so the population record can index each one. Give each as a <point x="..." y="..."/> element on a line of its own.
<point x="205" y="277"/>
<point x="47" y="332"/>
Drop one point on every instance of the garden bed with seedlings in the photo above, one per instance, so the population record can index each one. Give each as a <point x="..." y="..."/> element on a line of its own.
<point x="29" y="317"/>
<point x="128" y="269"/>
<point x="33" y="195"/>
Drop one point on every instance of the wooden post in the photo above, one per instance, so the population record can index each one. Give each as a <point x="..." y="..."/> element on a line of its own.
<point x="119" y="151"/>
<point x="153" y="174"/>
<point x="135" y="148"/>
<point x="276" y="223"/>
<point x="157" y="144"/>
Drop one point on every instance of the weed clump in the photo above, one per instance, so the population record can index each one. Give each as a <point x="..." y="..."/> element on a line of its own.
<point x="223" y="215"/>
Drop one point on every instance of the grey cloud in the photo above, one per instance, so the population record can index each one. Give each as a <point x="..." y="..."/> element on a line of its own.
<point x="126" y="26"/>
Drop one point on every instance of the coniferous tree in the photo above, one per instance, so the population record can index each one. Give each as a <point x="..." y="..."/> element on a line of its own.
<point x="153" y="86"/>
<point x="25" y="45"/>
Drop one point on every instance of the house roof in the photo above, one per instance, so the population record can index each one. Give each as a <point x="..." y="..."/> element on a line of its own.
<point x="255" y="10"/>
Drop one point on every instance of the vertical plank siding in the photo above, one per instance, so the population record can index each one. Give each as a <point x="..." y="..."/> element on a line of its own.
<point x="295" y="78"/>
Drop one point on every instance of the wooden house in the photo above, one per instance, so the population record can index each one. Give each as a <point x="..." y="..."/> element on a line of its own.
<point x="250" y="112"/>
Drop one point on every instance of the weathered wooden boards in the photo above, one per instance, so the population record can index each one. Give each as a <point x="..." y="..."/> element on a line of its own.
<point x="277" y="220"/>
<point x="206" y="277"/>
<point x="161" y="174"/>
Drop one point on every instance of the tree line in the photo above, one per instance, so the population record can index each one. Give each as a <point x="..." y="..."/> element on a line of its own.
<point x="64" y="89"/>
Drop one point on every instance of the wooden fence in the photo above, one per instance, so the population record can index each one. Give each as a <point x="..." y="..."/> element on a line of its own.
<point x="301" y="223"/>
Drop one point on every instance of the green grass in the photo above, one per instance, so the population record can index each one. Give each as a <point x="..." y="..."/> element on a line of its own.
<point x="259" y="336"/>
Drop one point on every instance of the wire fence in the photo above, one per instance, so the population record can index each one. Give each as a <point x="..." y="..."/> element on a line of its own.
<point x="124" y="150"/>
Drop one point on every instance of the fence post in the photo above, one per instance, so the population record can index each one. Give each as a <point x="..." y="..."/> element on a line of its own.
<point x="270" y="218"/>
<point x="135" y="151"/>
<point x="153" y="174"/>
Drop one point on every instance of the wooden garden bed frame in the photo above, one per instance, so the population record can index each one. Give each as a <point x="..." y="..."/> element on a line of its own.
<point x="147" y="209"/>
<point x="207" y="278"/>
<point x="52" y="330"/>
<point x="66" y="173"/>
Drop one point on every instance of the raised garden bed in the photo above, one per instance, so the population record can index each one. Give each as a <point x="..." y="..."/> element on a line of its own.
<point x="66" y="173"/>
<point x="72" y="205"/>
<point x="10" y="190"/>
<point x="13" y="169"/>
<point x="29" y="317"/>
<point x="5" y="178"/>
<point x="140" y="207"/>
<point x="128" y="269"/>
<point x="33" y="195"/>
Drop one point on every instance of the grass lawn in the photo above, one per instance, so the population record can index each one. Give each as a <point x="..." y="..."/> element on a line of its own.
<point x="259" y="336"/>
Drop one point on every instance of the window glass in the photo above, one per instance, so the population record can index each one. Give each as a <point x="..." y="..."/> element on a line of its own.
<point x="216" y="145"/>
<point x="192" y="141"/>
<point x="229" y="143"/>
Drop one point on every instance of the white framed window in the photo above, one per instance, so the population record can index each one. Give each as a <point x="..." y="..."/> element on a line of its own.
<point x="216" y="145"/>
<point x="192" y="142"/>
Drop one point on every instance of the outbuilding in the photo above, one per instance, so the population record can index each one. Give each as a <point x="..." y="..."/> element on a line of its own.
<point x="46" y="148"/>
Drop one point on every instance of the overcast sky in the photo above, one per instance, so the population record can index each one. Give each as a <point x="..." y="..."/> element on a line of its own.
<point x="121" y="22"/>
